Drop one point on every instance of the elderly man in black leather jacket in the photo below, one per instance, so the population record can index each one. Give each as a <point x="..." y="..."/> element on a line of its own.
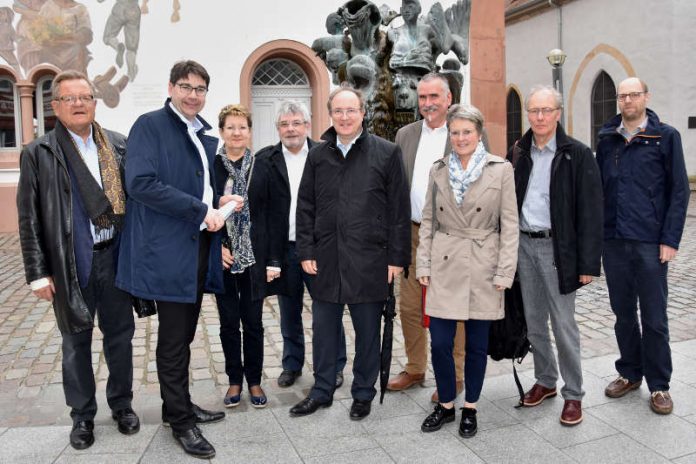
<point x="71" y="203"/>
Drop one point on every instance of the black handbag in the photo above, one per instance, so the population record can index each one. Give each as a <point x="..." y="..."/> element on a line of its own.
<point x="143" y="307"/>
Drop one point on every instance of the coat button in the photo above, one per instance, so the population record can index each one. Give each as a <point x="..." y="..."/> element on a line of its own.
<point x="445" y="258"/>
<point x="194" y="237"/>
<point x="478" y="210"/>
<point x="441" y="208"/>
<point x="199" y="173"/>
<point x="379" y="217"/>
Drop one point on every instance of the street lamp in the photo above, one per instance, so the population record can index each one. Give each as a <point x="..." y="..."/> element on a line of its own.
<point x="556" y="58"/>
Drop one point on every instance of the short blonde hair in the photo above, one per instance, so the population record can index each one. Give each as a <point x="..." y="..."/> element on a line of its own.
<point x="233" y="110"/>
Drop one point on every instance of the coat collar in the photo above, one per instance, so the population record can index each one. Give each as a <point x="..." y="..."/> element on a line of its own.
<point x="476" y="189"/>
<point x="171" y="113"/>
<point x="652" y="129"/>
<point x="562" y="140"/>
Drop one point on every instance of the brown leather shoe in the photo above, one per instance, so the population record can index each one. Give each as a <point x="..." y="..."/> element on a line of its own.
<point x="572" y="413"/>
<point x="537" y="394"/>
<point x="435" y="398"/>
<point x="620" y="387"/>
<point x="404" y="380"/>
<point x="661" y="402"/>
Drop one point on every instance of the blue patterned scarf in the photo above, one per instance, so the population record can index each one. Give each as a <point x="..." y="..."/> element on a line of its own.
<point x="239" y="224"/>
<point x="459" y="178"/>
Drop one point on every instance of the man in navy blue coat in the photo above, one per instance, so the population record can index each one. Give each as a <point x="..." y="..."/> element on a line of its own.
<point x="646" y="193"/>
<point x="168" y="251"/>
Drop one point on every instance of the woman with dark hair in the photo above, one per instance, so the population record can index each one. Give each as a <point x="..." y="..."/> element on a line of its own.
<point x="467" y="256"/>
<point x="252" y="252"/>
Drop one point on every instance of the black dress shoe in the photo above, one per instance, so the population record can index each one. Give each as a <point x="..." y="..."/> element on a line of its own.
<point x="437" y="418"/>
<point x="194" y="443"/>
<point x="467" y="427"/>
<point x="82" y="434"/>
<point x="127" y="419"/>
<point x="308" y="406"/>
<point x="360" y="409"/>
<point x="339" y="379"/>
<point x="288" y="377"/>
<point x="203" y="416"/>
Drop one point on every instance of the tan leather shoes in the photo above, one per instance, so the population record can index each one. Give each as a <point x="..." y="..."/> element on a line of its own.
<point x="404" y="380"/>
<point x="620" y="387"/>
<point x="537" y="394"/>
<point x="572" y="413"/>
<point x="435" y="398"/>
<point x="661" y="402"/>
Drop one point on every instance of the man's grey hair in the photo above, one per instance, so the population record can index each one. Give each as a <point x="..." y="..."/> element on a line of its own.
<point x="467" y="113"/>
<point x="346" y="87"/>
<point x="293" y="107"/>
<point x="69" y="75"/>
<point x="544" y="88"/>
<point x="433" y="76"/>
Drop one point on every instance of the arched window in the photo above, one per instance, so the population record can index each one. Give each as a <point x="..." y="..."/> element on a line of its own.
<point x="274" y="81"/>
<point x="10" y="128"/>
<point x="603" y="103"/>
<point x="514" y="117"/>
<point x="43" y="111"/>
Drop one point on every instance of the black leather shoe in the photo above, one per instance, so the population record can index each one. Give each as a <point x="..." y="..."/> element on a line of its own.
<point x="127" y="419"/>
<point x="339" y="379"/>
<point x="308" y="406"/>
<point x="203" y="416"/>
<point x="360" y="409"/>
<point x="288" y="377"/>
<point x="468" y="427"/>
<point x="82" y="434"/>
<point x="437" y="418"/>
<point x="194" y="443"/>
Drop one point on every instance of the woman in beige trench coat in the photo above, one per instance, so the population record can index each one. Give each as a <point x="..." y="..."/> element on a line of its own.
<point x="466" y="257"/>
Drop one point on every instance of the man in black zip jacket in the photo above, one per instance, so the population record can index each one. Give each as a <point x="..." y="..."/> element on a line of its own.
<point x="646" y="193"/>
<point x="353" y="238"/>
<point x="71" y="204"/>
<point x="559" y="197"/>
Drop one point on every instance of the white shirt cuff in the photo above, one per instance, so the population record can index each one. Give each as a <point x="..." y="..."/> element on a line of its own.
<point x="273" y="268"/>
<point x="38" y="284"/>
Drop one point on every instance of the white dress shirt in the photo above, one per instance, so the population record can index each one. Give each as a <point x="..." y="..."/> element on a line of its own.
<point x="431" y="147"/>
<point x="193" y="128"/>
<point x="295" y="164"/>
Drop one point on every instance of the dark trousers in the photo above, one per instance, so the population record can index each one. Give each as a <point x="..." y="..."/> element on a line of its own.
<point x="635" y="275"/>
<point x="114" y="314"/>
<point x="177" y="327"/>
<point x="442" y="333"/>
<point x="236" y="305"/>
<point x="291" y="327"/>
<point x="327" y="326"/>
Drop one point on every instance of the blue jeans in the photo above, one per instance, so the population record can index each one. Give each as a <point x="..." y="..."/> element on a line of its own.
<point x="442" y="333"/>
<point x="291" y="327"/>
<point x="636" y="275"/>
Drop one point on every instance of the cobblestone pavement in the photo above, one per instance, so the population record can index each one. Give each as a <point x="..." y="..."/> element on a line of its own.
<point x="31" y="393"/>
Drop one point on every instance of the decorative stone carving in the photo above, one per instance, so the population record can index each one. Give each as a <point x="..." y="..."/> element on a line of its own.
<point x="386" y="61"/>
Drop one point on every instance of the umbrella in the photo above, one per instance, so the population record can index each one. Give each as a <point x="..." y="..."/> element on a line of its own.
<point x="389" y="313"/>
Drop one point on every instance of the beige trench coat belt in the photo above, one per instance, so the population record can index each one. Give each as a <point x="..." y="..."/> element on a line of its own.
<point x="470" y="234"/>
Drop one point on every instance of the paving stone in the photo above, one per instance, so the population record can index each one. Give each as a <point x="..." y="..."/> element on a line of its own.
<point x="107" y="458"/>
<point x="20" y="444"/>
<point x="670" y="436"/>
<point x="440" y="447"/>
<point x="366" y="456"/>
<point x="615" y="448"/>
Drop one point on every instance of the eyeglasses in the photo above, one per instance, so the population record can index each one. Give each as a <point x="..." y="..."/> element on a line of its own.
<point x="72" y="99"/>
<point x="622" y="96"/>
<point x="187" y="88"/>
<point x="293" y="124"/>
<point x="461" y="133"/>
<point x="350" y="112"/>
<point x="538" y="111"/>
